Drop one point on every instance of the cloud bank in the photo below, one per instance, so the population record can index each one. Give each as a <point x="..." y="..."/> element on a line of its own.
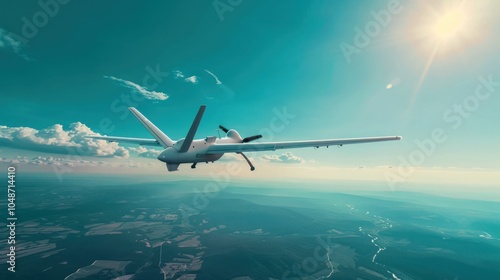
<point x="56" y="140"/>
<point x="283" y="158"/>
<point x="152" y="95"/>
<point x="147" y="153"/>
<point x="55" y="161"/>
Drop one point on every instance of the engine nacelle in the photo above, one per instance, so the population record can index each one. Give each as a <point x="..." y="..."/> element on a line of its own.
<point x="233" y="134"/>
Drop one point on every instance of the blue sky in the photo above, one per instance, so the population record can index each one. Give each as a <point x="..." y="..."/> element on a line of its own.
<point x="266" y="57"/>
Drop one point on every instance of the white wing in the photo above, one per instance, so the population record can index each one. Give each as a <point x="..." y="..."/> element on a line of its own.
<point x="161" y="139"/>
<point x="272" y="146"/>
<point x="140" y="141"/>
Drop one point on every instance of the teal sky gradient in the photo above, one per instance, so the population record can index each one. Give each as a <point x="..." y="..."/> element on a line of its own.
<point x="271" y="55"/>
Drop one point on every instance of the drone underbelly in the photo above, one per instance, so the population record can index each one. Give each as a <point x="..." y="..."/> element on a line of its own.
<point x="192" y="156"/>
<point x="196" y="153"/>
<point x="201" y="157"/>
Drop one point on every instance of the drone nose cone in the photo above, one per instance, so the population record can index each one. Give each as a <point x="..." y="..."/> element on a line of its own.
<point x="161" y="157"/>
<point x="169" y="155"/>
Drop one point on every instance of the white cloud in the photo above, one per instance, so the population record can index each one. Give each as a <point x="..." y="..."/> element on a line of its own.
<point x="8" y="42"/>
<point x="192" y="79"/>
<point x="147" y="153"/>
<point x="178" y="74"/>
<point x="227" y="91"/>
<point x="283" y="158"/>
<point x="152" y="95"/>
<point x="55" y="139"/>
<point x="217" y="81"/>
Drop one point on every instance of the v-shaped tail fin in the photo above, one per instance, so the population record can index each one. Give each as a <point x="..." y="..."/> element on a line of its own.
<point x="161" y="137"/>
<point x="192" y="131"/>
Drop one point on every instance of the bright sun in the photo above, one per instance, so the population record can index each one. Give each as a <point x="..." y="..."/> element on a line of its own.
<point x="446" y="31"/>
<point x="449" y="25"/>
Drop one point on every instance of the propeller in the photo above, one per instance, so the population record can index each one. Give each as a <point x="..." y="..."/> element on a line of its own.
<point x="251" y="138"/>
<point x="223" y="129"/>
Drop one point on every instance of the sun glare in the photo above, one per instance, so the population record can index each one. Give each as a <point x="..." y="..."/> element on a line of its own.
<point x="450" y="24"/>
<point x="444" y="31"/>
<point x="448" y="27"/>
<point x="451" y="27"/>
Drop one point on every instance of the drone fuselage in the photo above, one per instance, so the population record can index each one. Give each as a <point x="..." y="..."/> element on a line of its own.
<point x="197" y="151"/>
